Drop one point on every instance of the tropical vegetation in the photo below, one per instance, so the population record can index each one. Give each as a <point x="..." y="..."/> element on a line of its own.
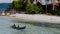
<point x="30" y="8"/>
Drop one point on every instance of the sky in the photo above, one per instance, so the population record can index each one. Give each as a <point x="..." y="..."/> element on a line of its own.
<point x="6" y="1"/>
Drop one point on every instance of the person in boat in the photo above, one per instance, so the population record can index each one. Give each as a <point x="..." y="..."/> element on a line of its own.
<point x="18" y="26"/>
<point x="14" y="26"/>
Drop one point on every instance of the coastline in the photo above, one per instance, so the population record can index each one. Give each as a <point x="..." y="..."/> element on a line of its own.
<point x="37" y="18"/>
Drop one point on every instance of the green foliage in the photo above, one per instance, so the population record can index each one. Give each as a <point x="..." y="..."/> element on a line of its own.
<point x="28" y="6"/>
<point x="57" y="10"/>
<point x="31" y="1"/>
<point x="16" y="4"/>
<point x="31" y="8"/>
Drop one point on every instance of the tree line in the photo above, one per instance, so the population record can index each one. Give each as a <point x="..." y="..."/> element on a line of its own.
<point x="30" y="8"/>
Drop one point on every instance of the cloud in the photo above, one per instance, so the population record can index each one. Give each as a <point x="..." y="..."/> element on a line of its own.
<point x="6" y="1"/>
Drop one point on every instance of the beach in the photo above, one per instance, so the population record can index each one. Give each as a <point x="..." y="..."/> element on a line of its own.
<point x="37" y="18"/>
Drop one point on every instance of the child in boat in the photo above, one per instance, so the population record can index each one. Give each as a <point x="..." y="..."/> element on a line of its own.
<point x="18" y="26"/>
<point x="14" y="26"/>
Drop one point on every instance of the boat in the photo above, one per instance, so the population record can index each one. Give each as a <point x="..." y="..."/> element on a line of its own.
<point x="19" y="28"/>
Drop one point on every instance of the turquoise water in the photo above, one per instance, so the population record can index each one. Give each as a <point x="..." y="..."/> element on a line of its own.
<point x="6" y="22"/>
<point x="4" y="6"/>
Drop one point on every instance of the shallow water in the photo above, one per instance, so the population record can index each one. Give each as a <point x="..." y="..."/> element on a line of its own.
<point x="6" y="22"/>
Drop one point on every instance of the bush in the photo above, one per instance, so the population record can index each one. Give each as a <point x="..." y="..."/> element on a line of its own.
<point x="57" y="10"/>
<point x="31" y="8"/>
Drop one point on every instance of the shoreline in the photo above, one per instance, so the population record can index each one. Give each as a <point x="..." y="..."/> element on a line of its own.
<point x="37" y="18"/>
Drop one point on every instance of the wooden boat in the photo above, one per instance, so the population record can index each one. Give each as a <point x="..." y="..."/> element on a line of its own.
<point x="19" y="28"/>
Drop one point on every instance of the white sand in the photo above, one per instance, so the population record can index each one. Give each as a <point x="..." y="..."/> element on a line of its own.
<point x="39" y="18"/>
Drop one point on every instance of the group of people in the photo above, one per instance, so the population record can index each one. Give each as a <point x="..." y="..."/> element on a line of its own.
<point x="15" y="26"/>
<point x="19" y="28"/>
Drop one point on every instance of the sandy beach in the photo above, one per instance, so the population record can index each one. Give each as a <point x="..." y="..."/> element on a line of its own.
<point x="37" y="17"/>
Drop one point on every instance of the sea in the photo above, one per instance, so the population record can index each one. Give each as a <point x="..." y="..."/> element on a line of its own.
<point x="4" y="6"/>
<point x="6" y="22"/>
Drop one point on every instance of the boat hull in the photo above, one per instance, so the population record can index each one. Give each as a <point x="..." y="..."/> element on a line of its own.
<point x="19" y="28"/>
